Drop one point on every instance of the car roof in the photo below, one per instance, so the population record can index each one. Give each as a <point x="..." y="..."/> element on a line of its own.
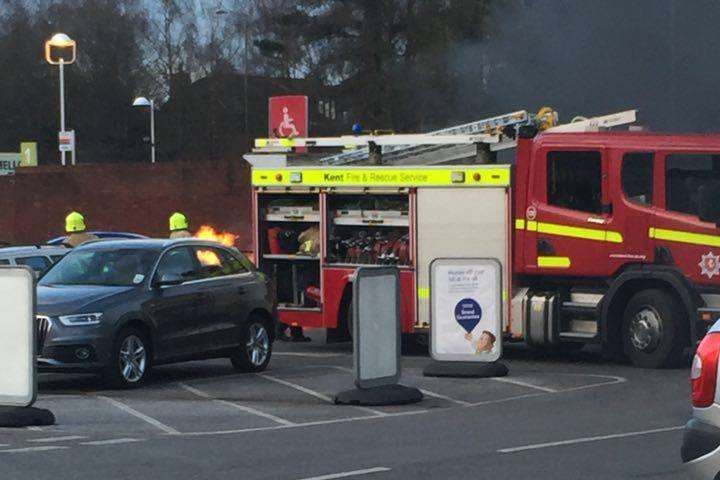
<point x="147" y="243"/>
<point x="32" y="249"/>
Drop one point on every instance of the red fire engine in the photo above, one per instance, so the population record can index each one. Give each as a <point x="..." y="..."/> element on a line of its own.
<point x="607" y="237"/>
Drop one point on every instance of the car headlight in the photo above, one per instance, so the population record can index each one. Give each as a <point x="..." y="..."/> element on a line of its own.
<point x="81" y="320"/>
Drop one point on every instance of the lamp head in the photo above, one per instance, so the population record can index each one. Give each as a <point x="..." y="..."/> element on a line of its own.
<point x="60" y="42"/>
<point x="141" y="102"/>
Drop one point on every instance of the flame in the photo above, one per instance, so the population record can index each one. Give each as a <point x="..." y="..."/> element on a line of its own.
<point x="208" y="258"/>
<point x="207" y="232"/>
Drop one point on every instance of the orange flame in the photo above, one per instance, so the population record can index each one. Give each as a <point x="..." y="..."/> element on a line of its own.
<point x="207" y="232"/>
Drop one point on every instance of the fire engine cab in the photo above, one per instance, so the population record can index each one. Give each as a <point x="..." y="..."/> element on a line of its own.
<point x="604" y="236"/>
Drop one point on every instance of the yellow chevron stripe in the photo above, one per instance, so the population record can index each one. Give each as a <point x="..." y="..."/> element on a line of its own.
<point x="573" y="232"/>
<point x="684" y="237"/>
<point x="553" y="262"/>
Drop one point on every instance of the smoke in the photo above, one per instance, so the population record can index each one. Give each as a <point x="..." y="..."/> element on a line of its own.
<point x="589" y="57"/>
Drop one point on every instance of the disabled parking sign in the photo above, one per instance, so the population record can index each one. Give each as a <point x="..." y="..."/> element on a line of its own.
<point x="466" y="310"/>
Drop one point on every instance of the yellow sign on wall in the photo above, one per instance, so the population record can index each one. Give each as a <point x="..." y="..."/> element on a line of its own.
<point x="28" y="154"/>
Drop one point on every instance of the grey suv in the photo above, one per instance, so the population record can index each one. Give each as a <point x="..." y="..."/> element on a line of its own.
<point x="118" y="307"/>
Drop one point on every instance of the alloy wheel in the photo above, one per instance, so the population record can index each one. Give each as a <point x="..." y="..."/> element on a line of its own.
<point x="133" y="359"/>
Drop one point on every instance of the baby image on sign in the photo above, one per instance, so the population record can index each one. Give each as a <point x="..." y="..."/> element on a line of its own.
<point x="466" y="310"/>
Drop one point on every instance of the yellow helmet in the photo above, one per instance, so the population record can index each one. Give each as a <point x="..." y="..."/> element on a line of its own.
<point x="74" y="222"/>
<point x="178" y="221"/>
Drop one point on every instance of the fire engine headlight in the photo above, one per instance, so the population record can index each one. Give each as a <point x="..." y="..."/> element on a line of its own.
<point x="81" y="320"/>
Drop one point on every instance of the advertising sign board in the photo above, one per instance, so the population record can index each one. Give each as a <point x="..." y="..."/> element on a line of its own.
<point x="18" y="382"/>
<point x="466" y="309"/>
<point x="376" y="326"/>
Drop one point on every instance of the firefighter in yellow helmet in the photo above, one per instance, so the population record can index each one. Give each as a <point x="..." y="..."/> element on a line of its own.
<point x="75" y="228"/>
<point x="179" y="226"/>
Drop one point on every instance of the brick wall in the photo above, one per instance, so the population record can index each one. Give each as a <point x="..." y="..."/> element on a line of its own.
<point x="125" y="197"/>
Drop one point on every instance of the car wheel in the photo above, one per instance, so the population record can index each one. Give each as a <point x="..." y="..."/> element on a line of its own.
<point x="255" y="349"/>
<point x="130" y="361"/>
<point x="654" y="329"/>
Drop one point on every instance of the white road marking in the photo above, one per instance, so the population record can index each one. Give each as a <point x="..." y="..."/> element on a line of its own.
<point x="588" y="439"/>
<point x="114" y="441"/>
<point x="236" y="406"/>
<point x="127" y="409"/>
<point x="315" y="394"/>
<point x="56" y="439"/>
<point x="34" y="449"/>
<point x="354" y="473"/>
<point x="613" y="381"/>
<point x="520" y="383"/>
<point x="302" y="425"/>
<point x="508" y="399"/>
<point x="445" y="397"/>
<point x="35" y="429"/>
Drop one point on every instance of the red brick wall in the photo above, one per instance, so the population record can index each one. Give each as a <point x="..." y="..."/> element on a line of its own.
<point x="125" y="197"/>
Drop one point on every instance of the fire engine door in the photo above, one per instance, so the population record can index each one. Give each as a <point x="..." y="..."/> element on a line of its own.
<point x="565" y="221"/>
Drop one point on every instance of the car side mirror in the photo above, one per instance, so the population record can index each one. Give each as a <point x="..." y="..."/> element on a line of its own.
<point x="709" y="204"/>
<point x="169" y="279"/>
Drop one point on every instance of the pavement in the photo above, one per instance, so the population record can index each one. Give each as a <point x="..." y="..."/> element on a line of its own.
<point x="554" y="417"/>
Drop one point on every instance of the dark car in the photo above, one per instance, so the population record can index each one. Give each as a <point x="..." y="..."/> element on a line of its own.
<point x="117" y="307"/>
<point x="101" y="235"/>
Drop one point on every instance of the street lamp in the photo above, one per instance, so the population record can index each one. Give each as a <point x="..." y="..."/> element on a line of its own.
<point x="144" y="102"/>
<point x="61" y="50"/>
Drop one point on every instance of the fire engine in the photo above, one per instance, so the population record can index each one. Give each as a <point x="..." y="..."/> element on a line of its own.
<point x="606" y="233"/>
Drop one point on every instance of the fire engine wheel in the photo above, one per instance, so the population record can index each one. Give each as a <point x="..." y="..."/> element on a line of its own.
<point x="654" y="333"/>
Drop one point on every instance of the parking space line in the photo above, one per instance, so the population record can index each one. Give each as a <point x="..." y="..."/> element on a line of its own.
<point x="614" y="380"/>
<point x="520" y="383"/>
<point x="56" y="439"/>
<point x="127" y="409"/>
<point x="306" y="424"/>
<point x="575" y="441"/>
<point x="315" y="394"/>
<point x="34" y="449"/>
<point x="445" y="397"/>
<point x="236" y="406"/>
<point x="354" y="473"/>
<point x="114" y="441"/>
<point x="508" y="399"/>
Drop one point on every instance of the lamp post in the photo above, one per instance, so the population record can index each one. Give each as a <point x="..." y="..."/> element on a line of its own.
<point x="59" y="44"/>
<point x="144" y="102"/>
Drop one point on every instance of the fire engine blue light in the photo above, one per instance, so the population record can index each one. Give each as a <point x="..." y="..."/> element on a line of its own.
<point x="357" y="129"/>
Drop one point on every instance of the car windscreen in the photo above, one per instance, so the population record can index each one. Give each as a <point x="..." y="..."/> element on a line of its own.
<point x="122" y="267"/>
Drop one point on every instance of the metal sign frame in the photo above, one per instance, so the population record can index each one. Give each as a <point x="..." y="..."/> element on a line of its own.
<point x="497" y="265"/>
<point x="29" y="399"/>
<point x="364" y="273"/>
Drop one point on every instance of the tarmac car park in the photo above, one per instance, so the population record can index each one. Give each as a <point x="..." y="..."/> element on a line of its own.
<point x="559" y="417"/>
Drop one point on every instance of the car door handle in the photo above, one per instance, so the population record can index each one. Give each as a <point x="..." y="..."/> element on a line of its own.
<point x="242" y="290"/>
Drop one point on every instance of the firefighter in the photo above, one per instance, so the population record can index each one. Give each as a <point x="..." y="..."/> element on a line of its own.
<point x="179" y="226"/>
<point x="75" y="228"/>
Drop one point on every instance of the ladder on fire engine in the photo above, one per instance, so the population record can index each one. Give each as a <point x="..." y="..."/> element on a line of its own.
<point x="447" y="145"/>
